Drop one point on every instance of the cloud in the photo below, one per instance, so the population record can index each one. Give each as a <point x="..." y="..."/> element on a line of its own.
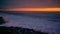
<point x="29" y="3"/>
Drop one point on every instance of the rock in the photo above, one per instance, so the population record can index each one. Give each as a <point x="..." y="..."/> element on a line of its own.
<point x="2" y="20"/>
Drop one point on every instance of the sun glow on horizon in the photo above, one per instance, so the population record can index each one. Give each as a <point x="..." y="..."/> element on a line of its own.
<point x="34" y="9"/>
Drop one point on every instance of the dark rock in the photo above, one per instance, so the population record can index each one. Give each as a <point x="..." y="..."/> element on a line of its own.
<point x="2" y="20"/>
<point x="18" y="30"/>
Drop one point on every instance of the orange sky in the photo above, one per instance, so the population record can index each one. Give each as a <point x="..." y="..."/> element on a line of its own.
<point x="34" y="9"/>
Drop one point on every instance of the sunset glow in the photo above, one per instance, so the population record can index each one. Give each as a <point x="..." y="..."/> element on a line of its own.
<point x="34" y="9"/>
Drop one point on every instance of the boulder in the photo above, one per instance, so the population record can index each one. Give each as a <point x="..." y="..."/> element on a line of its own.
<point x="2" y="20"/>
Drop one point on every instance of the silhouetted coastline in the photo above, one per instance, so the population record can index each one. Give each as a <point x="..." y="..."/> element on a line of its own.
<point x="18" y="30"/>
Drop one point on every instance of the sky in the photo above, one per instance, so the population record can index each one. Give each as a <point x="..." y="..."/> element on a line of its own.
<point x="29" y="3"/>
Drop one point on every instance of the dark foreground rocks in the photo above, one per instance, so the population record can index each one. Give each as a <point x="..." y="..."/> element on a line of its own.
<point x="18" y="30"/>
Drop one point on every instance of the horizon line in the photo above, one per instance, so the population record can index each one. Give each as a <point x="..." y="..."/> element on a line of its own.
<point x="32" y="9"/>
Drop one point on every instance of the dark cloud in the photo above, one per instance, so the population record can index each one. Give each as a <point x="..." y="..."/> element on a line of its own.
<point x="29" y="3"/>
<point x="57" y="2"/>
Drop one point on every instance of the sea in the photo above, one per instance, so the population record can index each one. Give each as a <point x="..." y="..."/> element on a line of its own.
<point x="41" y="21"/>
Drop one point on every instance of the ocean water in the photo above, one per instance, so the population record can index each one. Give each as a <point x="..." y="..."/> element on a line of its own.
<point x="45" y="22"/>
